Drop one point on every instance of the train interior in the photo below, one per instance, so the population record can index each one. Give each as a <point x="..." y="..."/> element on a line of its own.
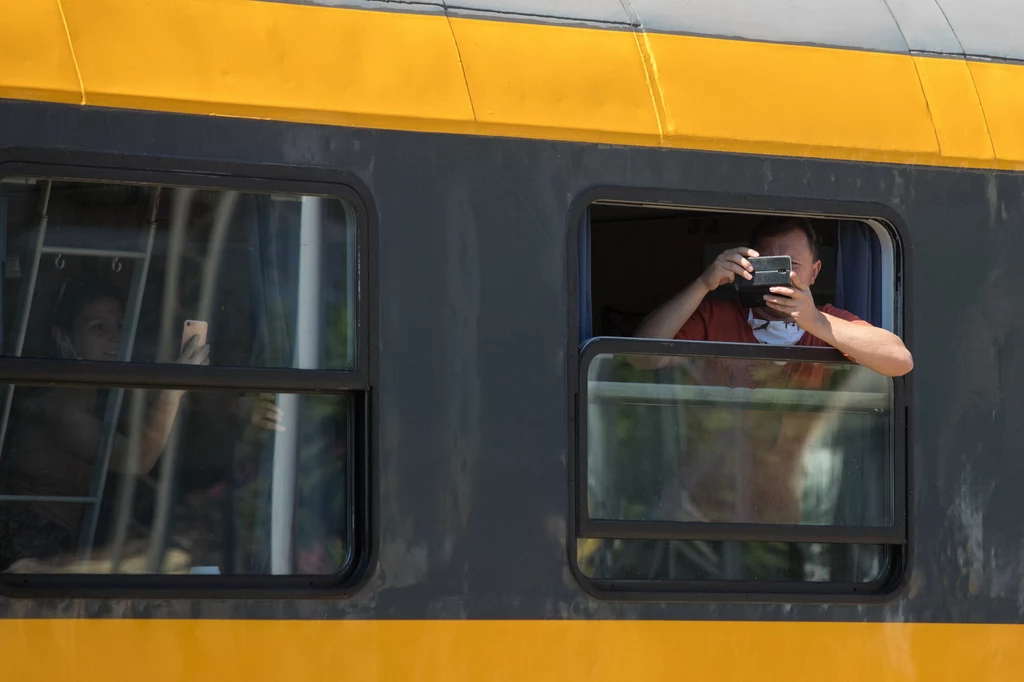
<point x="241" y="277"/>
<point x="670" y="249"/>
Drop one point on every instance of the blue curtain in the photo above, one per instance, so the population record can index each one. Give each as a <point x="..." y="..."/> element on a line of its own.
<point x="271" y="233"/>
<point x="585" y="303"/>
<point x="859" y="271"/>
<point x="866" y="484"/>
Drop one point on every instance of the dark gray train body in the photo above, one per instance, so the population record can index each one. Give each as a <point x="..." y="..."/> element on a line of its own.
<point x="473" y="314"/>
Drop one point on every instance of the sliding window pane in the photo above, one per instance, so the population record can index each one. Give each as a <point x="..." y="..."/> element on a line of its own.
<point x="729" y="440"/>
<point x="691" y="560"/>
<point x="105" y="271"/>
<point x="160" y="481"/>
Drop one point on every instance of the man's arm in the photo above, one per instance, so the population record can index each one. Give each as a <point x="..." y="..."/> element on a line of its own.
<point x="876" y="349"/>
<point x="666" y="321"/>
<point x="872" y="347"/>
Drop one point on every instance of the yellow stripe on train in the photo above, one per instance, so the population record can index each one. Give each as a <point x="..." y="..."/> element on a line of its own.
<point x="496" y="651"/>
<point x="427" y="73"/>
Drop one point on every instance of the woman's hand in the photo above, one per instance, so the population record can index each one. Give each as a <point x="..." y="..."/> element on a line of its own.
<point x="193" y="353"/>
<point x="264" y="412"/>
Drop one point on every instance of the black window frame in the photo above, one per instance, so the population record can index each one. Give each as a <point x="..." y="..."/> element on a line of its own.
<point x="897" y="538"/>
<point x="356" y="382"/>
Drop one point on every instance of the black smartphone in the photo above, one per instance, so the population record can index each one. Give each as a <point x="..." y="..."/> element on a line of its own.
<point x="769" y="271"/>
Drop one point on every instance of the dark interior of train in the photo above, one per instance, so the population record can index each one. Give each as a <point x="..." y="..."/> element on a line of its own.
<point x="669" y="249"/>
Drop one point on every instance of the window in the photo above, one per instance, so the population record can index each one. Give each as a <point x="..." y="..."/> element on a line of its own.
<point x="726" y="467"/>
<point x="189" y="382"/>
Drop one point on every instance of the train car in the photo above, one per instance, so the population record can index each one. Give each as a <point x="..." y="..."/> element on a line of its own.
<point x="321" y="357"/>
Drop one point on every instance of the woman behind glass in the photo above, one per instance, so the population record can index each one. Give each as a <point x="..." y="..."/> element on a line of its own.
<point x="56" y="432"/>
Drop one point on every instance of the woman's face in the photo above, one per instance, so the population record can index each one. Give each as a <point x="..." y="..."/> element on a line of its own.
<point x="96" y="334"/>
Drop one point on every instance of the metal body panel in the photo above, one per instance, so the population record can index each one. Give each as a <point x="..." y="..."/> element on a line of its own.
<point x="412" y="6"/>
<point x="476" y="351"/>
<point x="598" y="11"/>
<point x="987" y="28"/>
<point x="863" y="24"/>
<point x="924" y="26"/>
<point x="976" y="28"/>
<point x="602" y="84"/>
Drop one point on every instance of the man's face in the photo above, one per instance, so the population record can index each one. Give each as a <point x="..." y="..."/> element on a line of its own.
<point x="793" y="244"/>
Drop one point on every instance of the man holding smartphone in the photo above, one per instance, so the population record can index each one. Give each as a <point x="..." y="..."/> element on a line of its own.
<point x="789" y="318"/>
<point x="749" y="468"/>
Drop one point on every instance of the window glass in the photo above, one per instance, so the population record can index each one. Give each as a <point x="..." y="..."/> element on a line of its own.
<point x="739" y="440"/>
<point x="738" y="459"/>
<point x="104" y="271"/>
<point x="631" y="259"/>
<point x="101" y="479"/>
<point x="688" y="560"/>
<point x="160" y="481"/>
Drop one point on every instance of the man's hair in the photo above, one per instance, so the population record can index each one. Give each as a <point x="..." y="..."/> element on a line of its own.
<point x="774" y="226"/>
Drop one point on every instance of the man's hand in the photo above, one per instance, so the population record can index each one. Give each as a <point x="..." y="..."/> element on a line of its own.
<point x="796" y="303"/>
<point x="670" y="317"/>
<point x="725" y="268"/>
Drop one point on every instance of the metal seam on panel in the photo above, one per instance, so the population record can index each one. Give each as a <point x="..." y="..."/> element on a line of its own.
<point x="554" y="20"/>
<point x="767" y="41"/>
<point x="650" y="68"/>
<point x="950" y="24"/>
<point x="462" y="65"/>
<point x="981" y="105"/>
<point x="920" y="83"/>
<point x="974" y="84"/>
<point x="631" y="13"/>
<point x="898" y="27"/>
<point x="653" y="84"/>
<point x="71" y="47"/>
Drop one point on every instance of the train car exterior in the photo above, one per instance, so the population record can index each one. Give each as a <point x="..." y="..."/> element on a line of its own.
<point x="467" y="145"/>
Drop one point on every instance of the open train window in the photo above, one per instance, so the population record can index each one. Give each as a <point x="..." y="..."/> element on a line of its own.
<point x="186" y="383"/>
<point x="745" y="468"/>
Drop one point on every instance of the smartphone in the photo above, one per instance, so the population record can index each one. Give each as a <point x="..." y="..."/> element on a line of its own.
<point x="190" y="329"/>
<point x="769" y="271"/>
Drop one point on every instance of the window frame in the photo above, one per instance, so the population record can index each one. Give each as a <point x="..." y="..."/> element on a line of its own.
<point x="356" y="382"/>
<point x="898" y="538"/>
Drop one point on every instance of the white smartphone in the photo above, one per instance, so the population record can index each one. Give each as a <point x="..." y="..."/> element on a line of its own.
<point x="192" y="328"/>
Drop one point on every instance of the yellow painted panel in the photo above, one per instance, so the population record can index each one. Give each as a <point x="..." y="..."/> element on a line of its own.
<point x="956" y="110"/>
<point x="1001" y="89"/>
<point x="557" y="81"/>
<point x="35" y="58"/>
<point x="404" y="71"/>
<point x="263" y="59"/>
<point x="506" y="651"/>
<point x="781" y="98"/>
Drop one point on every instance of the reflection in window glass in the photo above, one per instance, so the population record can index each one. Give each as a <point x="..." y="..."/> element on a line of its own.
<point x="208" y="482"/>
<point x="696" y="560"/>
<point x="104" y="271"/>
<point x="732" y="440"/>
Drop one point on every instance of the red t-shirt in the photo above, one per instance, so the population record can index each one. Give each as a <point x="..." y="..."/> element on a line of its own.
<point x="727" y="321"/>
